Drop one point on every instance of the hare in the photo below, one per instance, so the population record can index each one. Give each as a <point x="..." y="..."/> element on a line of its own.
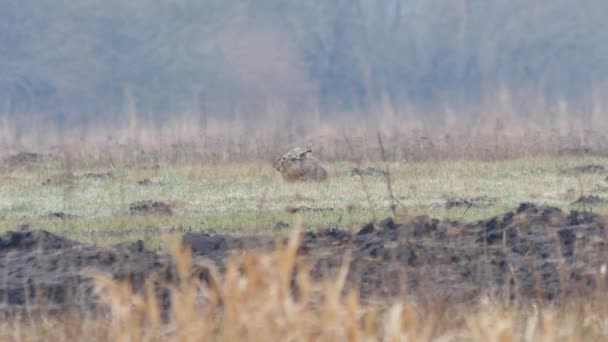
<point x="299" y="165"/>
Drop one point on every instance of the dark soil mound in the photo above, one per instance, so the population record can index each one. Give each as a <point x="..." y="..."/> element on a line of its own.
<point x="32" y="240"/>
<point x="44" y="271"/>
<point x="150" y="207"/>
<point x="534" y="251"/>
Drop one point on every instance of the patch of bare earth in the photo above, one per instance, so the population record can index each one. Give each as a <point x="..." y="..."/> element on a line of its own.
<point x="533" y="252"/>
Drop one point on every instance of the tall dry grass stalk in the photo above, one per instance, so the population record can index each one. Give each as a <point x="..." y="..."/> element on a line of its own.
<point x="271" y="297"/>
<point x="259" y="297"/>
<point x="407" y="135"/>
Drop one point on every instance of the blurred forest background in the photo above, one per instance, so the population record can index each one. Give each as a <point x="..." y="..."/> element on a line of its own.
<point x="82" y="61"/>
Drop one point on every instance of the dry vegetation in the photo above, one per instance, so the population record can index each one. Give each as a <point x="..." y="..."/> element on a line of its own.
<point x="435" y="120"/>
<point x="270" y="297"/>
<point x="226" y="184"/>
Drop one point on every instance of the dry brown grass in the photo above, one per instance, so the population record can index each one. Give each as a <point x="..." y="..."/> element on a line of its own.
<point x="270" y="297"/>
<point x="496" y="134"/>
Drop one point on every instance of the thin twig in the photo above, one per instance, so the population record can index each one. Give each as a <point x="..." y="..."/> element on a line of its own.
<point x="362" y="179"/>
<point x="387" y="176"/>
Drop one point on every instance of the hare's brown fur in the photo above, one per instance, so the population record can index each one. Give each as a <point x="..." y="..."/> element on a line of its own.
<point x="299" y="165"/>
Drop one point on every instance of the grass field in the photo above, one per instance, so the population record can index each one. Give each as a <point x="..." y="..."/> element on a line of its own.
<point x="89" y="201"/>
<point x="251" y="198"/>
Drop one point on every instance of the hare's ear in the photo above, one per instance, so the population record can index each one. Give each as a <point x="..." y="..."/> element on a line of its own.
<point x="308" y="150"/>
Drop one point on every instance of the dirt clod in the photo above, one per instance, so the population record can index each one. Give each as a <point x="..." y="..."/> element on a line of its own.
<point x="148" y="182"/>
<point x="98" y="175"/>
<point x="61" y="215"/>
<point x="587" y="169"/>
<point x="297" y="209"/>
<point x="460" y="202"/>
<point x="150" y="207"/>
<point x="279" y="226"/>
<point x="589" y="200"/>
<point x="367" y="229"/>
<point x="367" y="171"/>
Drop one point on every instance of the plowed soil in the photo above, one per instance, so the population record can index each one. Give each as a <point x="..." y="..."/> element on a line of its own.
<point x="532" y="252"/>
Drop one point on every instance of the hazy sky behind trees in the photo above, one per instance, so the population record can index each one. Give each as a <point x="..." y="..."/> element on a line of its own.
<point x="220" y="57"/>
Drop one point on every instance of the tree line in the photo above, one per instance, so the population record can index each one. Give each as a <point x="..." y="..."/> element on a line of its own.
<point x="242" y="57"/>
